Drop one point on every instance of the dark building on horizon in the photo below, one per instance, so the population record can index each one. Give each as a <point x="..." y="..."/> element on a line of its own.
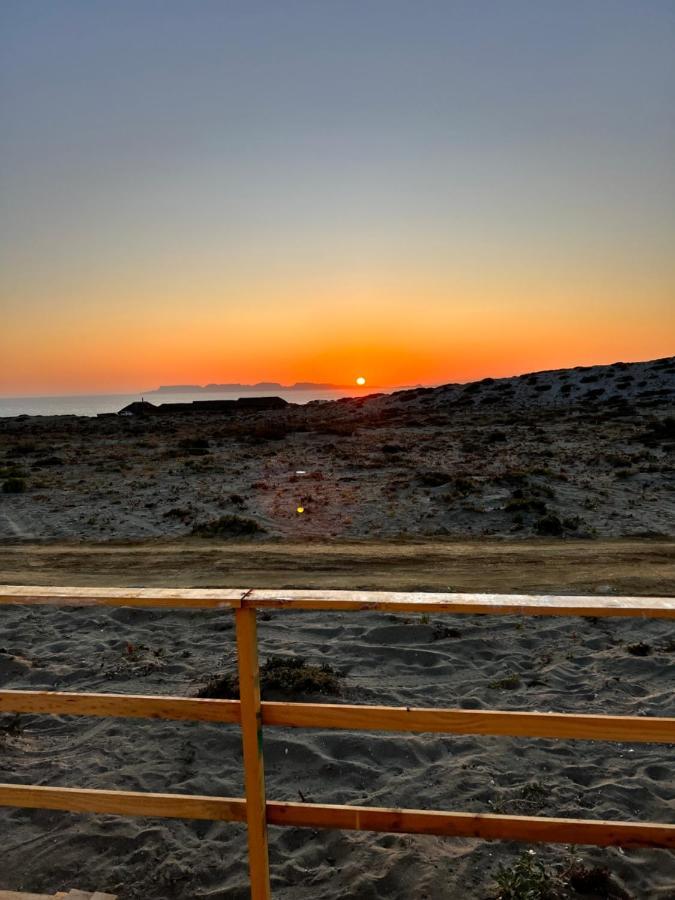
<point x="231" y="407"/>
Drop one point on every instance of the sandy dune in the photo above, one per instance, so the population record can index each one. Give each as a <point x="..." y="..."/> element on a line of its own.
<point x="567" y="665"/>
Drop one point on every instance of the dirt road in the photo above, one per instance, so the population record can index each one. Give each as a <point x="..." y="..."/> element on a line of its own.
<point x="645" y="567"/>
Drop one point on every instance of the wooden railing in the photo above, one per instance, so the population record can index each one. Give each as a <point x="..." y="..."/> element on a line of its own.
<point x="251" y="714"/>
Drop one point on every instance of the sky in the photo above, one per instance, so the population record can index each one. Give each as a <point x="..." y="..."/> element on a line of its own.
<point x="414" y="192"/>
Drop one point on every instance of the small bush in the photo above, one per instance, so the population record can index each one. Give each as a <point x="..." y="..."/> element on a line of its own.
<point x="392" y="448"/>
<point x="279" y="675"/>
<point x="496" y="437"/>
<point x="593" y="881"/>
<point x="14" y="486"/>
<point x="228" y="527"/>
<point x="527" y="879"/>
<point x="195" y="446"/>
<point x="434" y="479"/>
<point x="507" y="683"/>
<point x="549" y="526"/>
<point x="639" y="649"/>
<point x="526" y="504"/>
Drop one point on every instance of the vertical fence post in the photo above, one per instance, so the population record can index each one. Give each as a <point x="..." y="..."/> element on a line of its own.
<point x="254" y="772"/>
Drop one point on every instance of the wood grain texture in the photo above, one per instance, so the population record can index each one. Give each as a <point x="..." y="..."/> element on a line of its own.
<point x="534" y="829"/>
<point x="124" y="803"/>
<point x="177" y="598"/>
<point x="635" y="729"/>
<point x="503" y="604"/>
<point x="132" y="706"/>
<point x="252" y="741"/>
<point x="642" y="729"/>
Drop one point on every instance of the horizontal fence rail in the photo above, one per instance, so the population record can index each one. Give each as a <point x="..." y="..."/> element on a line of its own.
<point x="348" y="601"/>
<point x="251" y="714"/>
<point x="488" y="826"/>
<point x="416" y="720"/>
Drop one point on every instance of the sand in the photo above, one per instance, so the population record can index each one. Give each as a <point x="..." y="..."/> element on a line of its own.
<point x="562" y="664"/>
<point x="538" y="483"/>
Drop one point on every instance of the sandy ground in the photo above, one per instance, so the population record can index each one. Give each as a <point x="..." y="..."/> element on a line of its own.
<point x="561" y="664"/>
<point x="644" y="567"/>
<point x="559" y="482"/>
<point x="582" y="453"/>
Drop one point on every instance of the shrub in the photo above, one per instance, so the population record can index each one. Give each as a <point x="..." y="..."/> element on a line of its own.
<point x="593" y="881"/>
<point x="526" y="504"/>
<point x="527" y="879"/>
<point x="660" y="432"/>
<point x="549" y="526"/>
<point x="195" y="446"/>
<point x="639" y="649"/>
<point x="496" y="437"/>
<point x="392" y="448"/>
<point x="434" y="479"/>
<point x="14" y="486"/>
<point x="10" y="726"/>
<point x="507" y="683"/>
<point x="278" y="675"/>
<point x="228" y="527"/>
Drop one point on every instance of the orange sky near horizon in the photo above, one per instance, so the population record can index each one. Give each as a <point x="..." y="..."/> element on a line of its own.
<point x="456" y="332"/>
<point x="267" y="191"/>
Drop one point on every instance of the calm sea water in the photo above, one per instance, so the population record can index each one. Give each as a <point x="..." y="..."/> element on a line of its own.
<point x="81" y="405"/>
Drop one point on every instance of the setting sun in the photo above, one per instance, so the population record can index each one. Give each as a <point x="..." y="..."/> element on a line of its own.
<point x="361" y="380"/>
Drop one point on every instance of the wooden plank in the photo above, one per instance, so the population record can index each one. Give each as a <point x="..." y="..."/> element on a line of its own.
<point x="502" y="604"/>
<point x="19" y="895"/>
<point x="639" y="729"/>
<point x="532" y="829"/>
<point x="132" y="706"/>
<point x="177" y="598"/>
<point x="252" y="739"/>
<point x="635" y="729"/>
<point x="535" y="829"/>
<point x="124" y="803"/>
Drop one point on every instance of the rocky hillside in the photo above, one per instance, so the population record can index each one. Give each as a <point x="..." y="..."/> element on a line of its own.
<point x="585" y="452"/>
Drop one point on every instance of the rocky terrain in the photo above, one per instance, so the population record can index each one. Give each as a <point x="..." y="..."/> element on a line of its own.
<point x="585" y="453"/>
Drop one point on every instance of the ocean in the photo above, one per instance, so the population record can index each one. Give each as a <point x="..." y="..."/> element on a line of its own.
<point x="93" y="404"/>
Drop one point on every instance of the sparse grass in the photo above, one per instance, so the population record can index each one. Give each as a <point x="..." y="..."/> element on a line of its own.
<point x="509" y="682"/>
<point x="527" y="879"/>
<point x="535" y="793"/>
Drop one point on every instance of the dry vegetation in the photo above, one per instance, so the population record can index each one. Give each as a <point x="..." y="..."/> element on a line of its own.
<point x="578" y="453"/>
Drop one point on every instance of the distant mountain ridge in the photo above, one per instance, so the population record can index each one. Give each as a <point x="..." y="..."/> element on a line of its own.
<point x="259" y="386"/>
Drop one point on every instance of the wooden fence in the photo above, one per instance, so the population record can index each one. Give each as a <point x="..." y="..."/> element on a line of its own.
<point x="251" y="714"/>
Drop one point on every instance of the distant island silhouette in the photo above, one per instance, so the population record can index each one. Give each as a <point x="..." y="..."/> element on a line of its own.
<point x="259" y="386"/>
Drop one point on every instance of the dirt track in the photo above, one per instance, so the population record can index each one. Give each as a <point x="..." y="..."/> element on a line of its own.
<point x="645" y="567"/>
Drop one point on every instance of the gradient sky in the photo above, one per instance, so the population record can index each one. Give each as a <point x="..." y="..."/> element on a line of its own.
<point x="412" y="191"/>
